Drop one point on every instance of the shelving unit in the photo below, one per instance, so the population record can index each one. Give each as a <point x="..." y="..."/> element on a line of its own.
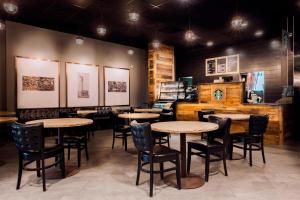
<point x="172" y="90"/>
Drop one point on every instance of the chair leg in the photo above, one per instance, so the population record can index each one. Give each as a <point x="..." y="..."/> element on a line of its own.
<point x="62" y="165"/>
<point x="224" y="163"/>
<point x="151" y="178"/>
<point x="69" y="151"/>
<point x="125" y="141"/>
<point x="245" y="149"/>
<point x="230" y="148"/>
<point x="189" y="157"/>
<point x="207" y="159"/>
<point x="113" y="142"/>
<point x="178" y="173"/>
<point x="78" y="154"/>
<point x="138" y="170"/>
<point x="250" y="153"/>
<point x="161" y="166"/>
<point x="263" y="150"/>
<point x="20" y="172"/>
<point x="168" y="140"/>
<point x="38" y="166"/>
<point x="43" y="175"/>
<point x="86" y="149"/>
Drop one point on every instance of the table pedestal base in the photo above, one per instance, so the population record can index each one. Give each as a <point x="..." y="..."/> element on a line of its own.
<point x="55" y="173"/>
<point x="189" y="182"/>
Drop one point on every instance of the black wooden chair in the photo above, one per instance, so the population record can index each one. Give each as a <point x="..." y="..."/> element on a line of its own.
<point x="254" y="139"/>
<point x="204" y="112"/>
<point x="29" y="140"/>
<point x="120" y="130"/>
<point x="148" y="154"/>
<point x="211" y="146"/>
<point x="76" y="138"/>
<point x="161" y="137"/>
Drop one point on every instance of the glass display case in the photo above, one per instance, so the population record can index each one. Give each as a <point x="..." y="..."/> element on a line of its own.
<point x="174" y="90"/>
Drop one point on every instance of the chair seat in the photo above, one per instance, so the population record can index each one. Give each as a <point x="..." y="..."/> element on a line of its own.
<point x="73" y="138"/>
<point x="160" y="153"/>
<point x="205" y="143"/>
<point x="49" y="151"/>
<point x="123" y="128"/>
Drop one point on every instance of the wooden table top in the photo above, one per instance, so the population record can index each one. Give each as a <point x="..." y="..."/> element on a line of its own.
<point x="138" y="116"/>
<point x="7" y="114"/>
<point x="184" y="127"/>
<point x="8" y="119"/>
<point x="235" y="117"/>
<point x="86" y="112"/>
<point x="147" y="110"/>
<point x="62" y="122"/>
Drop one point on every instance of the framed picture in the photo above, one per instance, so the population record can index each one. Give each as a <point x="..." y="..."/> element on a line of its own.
<point x="116" y="86"/>
<point x="37" y="83"/>
<point x="82" y="85"/>
<point x="224" y="65"/>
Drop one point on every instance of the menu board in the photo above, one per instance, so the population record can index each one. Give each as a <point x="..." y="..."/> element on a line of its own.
<point x="222" y="65"/>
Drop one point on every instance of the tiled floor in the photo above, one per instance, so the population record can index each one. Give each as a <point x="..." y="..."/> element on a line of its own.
<point x="110" y="174"/>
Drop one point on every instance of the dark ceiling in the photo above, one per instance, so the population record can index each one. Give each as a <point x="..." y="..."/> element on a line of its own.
<point x="210" y="19"/>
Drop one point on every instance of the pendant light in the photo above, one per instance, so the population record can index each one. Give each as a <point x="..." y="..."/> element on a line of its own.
<point x="238" y="22"/>
<point x="189" y="35"/>
<point x="156" y="43"/>
<point x="101" y="29"/>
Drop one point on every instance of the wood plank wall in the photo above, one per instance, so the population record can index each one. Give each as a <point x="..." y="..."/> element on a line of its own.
<point x="161" y="68"/>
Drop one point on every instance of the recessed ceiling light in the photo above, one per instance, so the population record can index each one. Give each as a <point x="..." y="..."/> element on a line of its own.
<point x="190" y="36"/>
<point x="210" y="43"/>
<point x="101" y="30"/>
<point x="130" y="52"/>
<point x="259" y="33"/>
<point x="2" y="25"/>
<point x="133" y="16"/>
<point x="79" y="40"/>
<point x="10" y="7"/>
<point x="239" y="23"/>
<point x="156" y="44"/>
<point x="275" y="44"/>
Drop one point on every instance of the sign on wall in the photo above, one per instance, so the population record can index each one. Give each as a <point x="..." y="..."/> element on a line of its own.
<point x="37" y="83"/>
<point x="82" y="85"/>
<point x="222" y="65"/>
<point x="116" y="86"/>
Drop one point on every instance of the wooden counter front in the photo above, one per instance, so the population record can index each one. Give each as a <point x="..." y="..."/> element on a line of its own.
<point x="275" y="131"/>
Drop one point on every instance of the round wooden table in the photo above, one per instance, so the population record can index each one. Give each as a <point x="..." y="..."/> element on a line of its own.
<point x="59" y="123"/>
<point x="7" y="114"/>
<point x="86" y="112"/>
<point x="6" y="120"/>
<point x="233" y="117"/>
<point x="132" y="116"/>
<point x="188" y="181"/>
<point x="147" y="110"/>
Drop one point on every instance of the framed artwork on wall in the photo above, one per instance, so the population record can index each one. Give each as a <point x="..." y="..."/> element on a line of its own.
<point x="82" y="85"/>
<point x="224" y="65"/>
<point x="116" y="86"/>
<point x="37" y="83"/>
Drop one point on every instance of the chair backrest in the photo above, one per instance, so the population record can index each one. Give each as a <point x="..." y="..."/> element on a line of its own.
<point x="224" y="129"/>
<point x="28" y="138"/>
<point x="258" y="124"/>
<point x="164" y="117"/>
<point x="141" y="134"/>
<point x="204" y="112"/>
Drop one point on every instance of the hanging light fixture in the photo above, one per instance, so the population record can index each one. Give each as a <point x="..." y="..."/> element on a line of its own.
<point x="101" y="30"/>
<point x="156" y="44"/>
<point x="239" y="23"/>
<point x="2" y="25"/>
<point x="10" y="7"/>
<point x="133" y="16"/>
<point x="190" y="36"/>
<point x="79" y="40"/>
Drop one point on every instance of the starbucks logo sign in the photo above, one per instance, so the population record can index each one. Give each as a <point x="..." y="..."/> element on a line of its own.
<point x="218" y="94"/>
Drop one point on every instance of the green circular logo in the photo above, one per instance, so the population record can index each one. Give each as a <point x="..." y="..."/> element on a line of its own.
<point x="218" y="94"/>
